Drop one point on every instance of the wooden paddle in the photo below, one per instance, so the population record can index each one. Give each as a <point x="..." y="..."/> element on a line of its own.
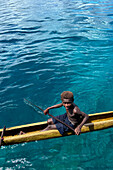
<point x="2" y="134"/>
<point x="52" y="116"/>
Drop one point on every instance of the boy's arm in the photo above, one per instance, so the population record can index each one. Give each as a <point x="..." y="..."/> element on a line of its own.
<point x="52" y="107"/>
<point x="78" y="128"/>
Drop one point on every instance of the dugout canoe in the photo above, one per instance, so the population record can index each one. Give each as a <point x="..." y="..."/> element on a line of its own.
<point x="97" y="121"/>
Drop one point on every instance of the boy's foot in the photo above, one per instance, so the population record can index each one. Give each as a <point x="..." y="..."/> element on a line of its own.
<point x="21" y="133"/>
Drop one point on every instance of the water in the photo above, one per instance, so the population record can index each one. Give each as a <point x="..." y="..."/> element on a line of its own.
<point x="47" y="47"/>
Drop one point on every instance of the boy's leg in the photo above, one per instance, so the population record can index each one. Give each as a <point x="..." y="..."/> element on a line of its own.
<point x="50" y="126"/>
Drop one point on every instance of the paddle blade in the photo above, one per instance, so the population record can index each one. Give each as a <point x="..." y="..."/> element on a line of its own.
<point x="34" y="107"/>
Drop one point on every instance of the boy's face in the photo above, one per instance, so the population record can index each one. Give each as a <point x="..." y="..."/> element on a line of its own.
<point x="67" y="103"/>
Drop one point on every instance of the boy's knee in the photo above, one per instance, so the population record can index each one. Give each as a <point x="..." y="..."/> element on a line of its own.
<point x="50" y="121"/>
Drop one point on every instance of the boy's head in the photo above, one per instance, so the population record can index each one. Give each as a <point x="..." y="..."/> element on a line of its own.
<point x="67" y="95"/>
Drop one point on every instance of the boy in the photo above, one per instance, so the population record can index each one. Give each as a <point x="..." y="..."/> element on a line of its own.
<point x="73" y="116"/>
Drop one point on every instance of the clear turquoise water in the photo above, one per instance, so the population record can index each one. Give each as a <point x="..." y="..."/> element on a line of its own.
<point x="47" y="47"/>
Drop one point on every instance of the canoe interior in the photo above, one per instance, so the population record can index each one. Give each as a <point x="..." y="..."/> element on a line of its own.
<point x="103" y="116"/>
<point x="25" y="128"/>
<point x="97" y="117"/>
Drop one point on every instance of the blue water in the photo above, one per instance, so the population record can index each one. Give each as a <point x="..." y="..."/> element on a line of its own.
<point x="46" y="47"/>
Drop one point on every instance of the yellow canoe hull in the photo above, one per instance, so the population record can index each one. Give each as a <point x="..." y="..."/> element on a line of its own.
<point x="97" y="121"/>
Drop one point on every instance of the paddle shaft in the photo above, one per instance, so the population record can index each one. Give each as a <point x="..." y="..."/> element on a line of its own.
<point x="2" y="134"/>
<point x="52" y="116"/>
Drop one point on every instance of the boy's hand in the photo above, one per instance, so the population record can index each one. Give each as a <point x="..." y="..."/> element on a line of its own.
<point x="46" y="111"/>
<point x="77" y="130"/>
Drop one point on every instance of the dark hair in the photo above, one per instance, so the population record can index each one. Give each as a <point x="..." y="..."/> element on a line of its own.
<point x="67" y="95"/>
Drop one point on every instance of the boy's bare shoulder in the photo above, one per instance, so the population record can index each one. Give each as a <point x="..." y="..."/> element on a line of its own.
<point x="76" y="109"/>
